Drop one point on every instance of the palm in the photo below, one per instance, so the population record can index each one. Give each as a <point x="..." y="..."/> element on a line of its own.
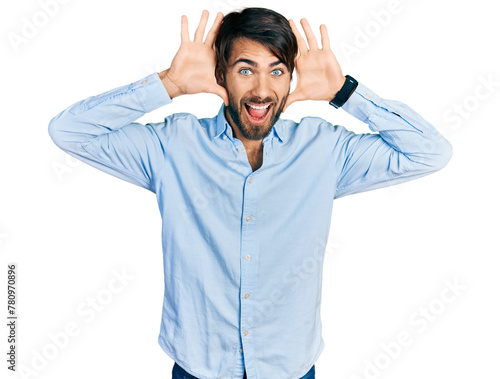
<point x="319" y="76"/>
<point x="312" y="70"/>
<point x="193" y="67"/>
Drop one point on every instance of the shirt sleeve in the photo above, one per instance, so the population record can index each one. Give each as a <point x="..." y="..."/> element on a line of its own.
<point x="404" y="147"/>
<point x="100" y="131"/>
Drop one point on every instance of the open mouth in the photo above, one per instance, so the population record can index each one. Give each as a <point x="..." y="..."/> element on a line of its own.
<point x="258" y="113"/>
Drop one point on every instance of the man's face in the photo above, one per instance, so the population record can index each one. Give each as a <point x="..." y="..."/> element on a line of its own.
<point x="258" y="85"/>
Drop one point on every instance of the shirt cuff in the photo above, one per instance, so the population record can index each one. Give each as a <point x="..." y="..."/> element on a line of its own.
<point x="362" y="103"/>
<point x="151" y="92"/>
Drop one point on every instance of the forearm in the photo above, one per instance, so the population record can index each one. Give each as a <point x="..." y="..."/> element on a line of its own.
<point x="403" y="129"/>
<point x="100" y="131"/>
<point x="104" y="113"/>
<point x="404" y="147"/>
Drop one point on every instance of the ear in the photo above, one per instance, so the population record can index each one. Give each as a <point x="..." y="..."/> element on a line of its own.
<point x="219" y="76"/>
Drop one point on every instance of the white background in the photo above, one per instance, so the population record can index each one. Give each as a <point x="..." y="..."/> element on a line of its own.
<point x="68" y="226"/>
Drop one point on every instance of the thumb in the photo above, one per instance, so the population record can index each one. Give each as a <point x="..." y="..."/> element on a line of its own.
<point x="292" y="98"/>
<point x="221" y="92"/>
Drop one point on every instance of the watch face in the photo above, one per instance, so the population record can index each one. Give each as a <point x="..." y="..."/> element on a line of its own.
<point x="351" y="79"/>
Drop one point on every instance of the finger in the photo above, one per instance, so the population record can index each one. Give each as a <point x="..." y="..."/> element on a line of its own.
<point x="200" y="31"/>
<point x="215" y="28"/>
<point x="301" y="43"/>
<point x="184" y="29"/>
<point x="325" y="40"/>
<point x="311" y="38"/>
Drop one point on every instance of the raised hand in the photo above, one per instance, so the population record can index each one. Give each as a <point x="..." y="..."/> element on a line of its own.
<point x="319" y="76"/>
<point x="193" y="68"/>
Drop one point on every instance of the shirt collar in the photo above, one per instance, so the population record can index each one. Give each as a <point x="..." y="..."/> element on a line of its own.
<point x="221" y="124"/>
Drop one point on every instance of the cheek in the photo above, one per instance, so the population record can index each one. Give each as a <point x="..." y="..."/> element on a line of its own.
<point x="282" y="86"/>
<point x="235" y="85"/>
<point x="234" y="91"/>
<point x="283" y="91"/>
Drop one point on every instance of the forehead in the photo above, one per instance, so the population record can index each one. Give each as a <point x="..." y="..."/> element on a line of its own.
<point x="252" y="50"/>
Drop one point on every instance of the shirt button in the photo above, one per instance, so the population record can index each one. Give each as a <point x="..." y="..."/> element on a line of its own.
<point x="225" y="137"/>
<point x="241" y="350"/>
<point x="247" y="295"/>
<point x="240" y="149"/>
<point x="249" y="218"/>
<point x="250" y="181"/>
<point x="144" y="82"/>
<point x="247" y="257"/>
<point x="245" y="332"/>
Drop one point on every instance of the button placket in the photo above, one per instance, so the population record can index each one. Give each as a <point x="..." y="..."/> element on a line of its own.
<point x="248" y="265"/>
<point x="242" y="155"/>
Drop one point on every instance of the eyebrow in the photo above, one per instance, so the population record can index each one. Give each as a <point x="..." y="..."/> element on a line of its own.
<point x="254" y="64"/>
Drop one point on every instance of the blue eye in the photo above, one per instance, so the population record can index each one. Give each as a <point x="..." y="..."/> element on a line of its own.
<point x="245" y="71"/>
<point x="277" y="72"/>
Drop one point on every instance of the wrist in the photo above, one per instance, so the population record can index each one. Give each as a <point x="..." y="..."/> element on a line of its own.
<point x="338" y="88"/>
<point x="171" y="88"/>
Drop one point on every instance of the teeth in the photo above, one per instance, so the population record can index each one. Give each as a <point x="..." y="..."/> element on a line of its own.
<point x="257" y="107"/>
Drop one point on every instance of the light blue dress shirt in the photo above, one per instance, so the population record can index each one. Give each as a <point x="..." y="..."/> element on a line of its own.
<point x="243" y="250"/>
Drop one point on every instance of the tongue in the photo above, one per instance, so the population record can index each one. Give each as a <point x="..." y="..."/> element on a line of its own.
<point x="257" y="113"/>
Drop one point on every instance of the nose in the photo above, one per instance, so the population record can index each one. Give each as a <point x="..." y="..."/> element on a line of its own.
<point x="261" y="87"/>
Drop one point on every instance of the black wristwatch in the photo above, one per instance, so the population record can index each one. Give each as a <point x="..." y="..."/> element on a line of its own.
<point x="345" y="92"/>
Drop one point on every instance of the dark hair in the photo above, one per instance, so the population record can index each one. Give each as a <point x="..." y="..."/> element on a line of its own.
<point x="262" y="25"/>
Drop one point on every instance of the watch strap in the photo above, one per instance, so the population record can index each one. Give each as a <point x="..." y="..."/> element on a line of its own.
<point x="345" y="92"/>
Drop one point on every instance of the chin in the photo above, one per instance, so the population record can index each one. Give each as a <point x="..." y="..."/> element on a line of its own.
<point x="253" y="117"/>
<point x="255" y="131"/>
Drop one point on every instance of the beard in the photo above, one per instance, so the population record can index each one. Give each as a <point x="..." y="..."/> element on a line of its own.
<point x="239" y="117"/>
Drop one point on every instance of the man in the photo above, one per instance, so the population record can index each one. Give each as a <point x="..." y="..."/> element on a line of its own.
<point x="246" y="197"/>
